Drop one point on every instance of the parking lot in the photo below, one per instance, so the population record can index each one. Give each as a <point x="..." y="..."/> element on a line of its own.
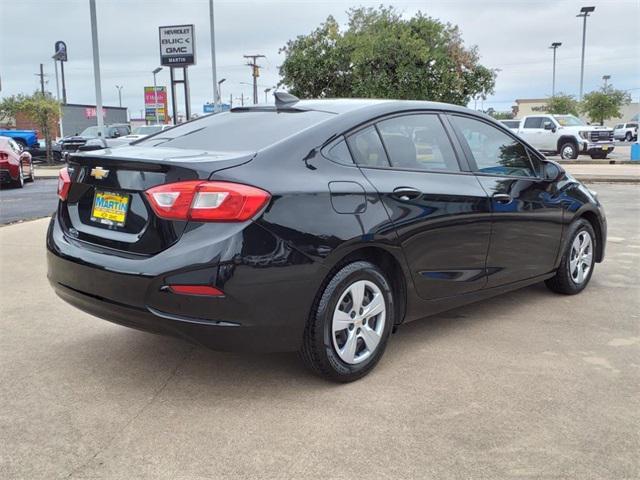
<point x="528" y="385"/>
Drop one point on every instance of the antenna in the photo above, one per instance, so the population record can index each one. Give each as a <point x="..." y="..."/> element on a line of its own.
<point x="285" y="99"/>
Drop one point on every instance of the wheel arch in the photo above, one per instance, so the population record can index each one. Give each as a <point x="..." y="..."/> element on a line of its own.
<point x="564" y="138"/>
<point x="387" y="261"/>
<point x="593" y="220"/>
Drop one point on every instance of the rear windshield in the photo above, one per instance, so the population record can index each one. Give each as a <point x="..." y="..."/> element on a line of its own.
<point x="237" y="131"/>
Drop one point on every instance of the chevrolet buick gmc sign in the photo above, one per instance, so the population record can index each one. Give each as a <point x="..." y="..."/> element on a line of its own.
<point x="177" y="46"/>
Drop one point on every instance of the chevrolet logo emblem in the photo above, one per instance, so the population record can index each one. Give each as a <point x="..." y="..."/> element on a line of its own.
<point x="99" y="173"/>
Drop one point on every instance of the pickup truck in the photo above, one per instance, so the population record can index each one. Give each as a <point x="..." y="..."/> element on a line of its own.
<point x="566" y="135"/>
<point x="26" y="138"/>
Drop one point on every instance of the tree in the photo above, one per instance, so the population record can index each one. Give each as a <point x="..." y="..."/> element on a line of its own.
<point x="563" y="104"/>
<point x="604" y="103"/>
<point x="382" y="55"/>
<point x="42" y="109"/>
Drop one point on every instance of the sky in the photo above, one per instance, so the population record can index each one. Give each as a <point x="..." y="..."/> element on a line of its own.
<point x="512" y="36"/>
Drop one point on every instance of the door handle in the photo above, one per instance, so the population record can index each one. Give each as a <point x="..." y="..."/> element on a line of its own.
<point x="502" y="198"/>
<point x="406" y="193"/>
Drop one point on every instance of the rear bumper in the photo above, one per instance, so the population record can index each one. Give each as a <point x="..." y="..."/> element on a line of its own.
<point x="264" y="308"/>
<point x="5" y="176"/>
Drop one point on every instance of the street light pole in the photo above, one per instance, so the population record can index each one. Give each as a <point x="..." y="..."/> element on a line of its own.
<point x="554" y="46"/>
<point x="96" y="65"/>
<point x="266" y="92"/>
<point x="606" y="79"/>
<point x="584" y="13"/>
<point x="216" y="93"/>
<point x="119" y="87"/>
<point x="155" y="95"/>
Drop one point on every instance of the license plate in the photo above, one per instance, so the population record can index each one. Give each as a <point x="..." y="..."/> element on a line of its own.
<point x="110" y="208"/>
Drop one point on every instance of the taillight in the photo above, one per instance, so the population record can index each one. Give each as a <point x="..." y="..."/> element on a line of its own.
<point x="64" y="183"/>
<point x="206" y="201"/>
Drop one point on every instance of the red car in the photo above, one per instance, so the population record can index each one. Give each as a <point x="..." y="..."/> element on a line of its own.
<point x="16" y="165"/>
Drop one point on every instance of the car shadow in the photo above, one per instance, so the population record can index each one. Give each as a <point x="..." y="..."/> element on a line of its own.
<point x="230" y="374"/>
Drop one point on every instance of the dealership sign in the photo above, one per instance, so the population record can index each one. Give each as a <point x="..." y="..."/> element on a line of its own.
<point x="150" y="104"/>
<point x="177" y="45"/>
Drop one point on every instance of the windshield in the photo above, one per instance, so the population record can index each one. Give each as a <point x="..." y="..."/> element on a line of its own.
<point x="90" y="132"/>
<point x="569" y="121"/>
<point x="147" y="130"/>
<point x="242" y="130"/>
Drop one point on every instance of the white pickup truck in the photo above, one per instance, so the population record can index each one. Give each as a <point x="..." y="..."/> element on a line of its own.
<point x="566" y="135"/>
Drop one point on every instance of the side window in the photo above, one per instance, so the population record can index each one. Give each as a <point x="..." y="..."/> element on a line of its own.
<point x="494" y="151"/>
<point x="338" y="152"/>
<point x="533" y="122"/>
<point x="418" y="142"/>
<point x="367" y="149"/>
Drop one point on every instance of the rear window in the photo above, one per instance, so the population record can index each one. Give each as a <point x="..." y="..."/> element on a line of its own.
<point x="237" y="131"/>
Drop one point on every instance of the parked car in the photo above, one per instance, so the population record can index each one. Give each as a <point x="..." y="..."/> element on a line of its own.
<point x="16" y="165"/>
<point x="74" y="142"/>
<point x="512" y="125"/>
<point x="39" y="151"/>
<point x="566" y="135"/>
<point x="626" y="131"/>
<point x="138" y="133"/>
<point x="26" y="138"/>
<point x="319" y="226"/>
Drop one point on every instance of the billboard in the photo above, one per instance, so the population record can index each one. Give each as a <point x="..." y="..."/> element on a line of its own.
<point x="177" y="45"/>
<point x="60" y="51"/>
<point x="150" y="104"/>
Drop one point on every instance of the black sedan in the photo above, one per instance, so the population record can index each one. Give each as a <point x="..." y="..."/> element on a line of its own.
<point x="318" y="226"/>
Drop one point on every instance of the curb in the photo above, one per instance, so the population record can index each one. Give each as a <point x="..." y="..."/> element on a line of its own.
<point x="632" y="180"/>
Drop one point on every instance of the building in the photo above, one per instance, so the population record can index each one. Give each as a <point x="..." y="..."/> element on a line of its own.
<point x="77" y="117"/>
<point x="532" y="106"/>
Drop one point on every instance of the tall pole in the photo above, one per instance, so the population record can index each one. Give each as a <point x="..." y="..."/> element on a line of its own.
<point x="584" y="13"/>
<point x="96" y="65"/>
<point x="41" y="75"/>
<point x="606" y="80"/>
<point x="255" y="73"/>
<point x="554" y="46"/>
<point x="216" y="93"/>
<point x="155" y="95"/>
<point x="119" y="87"/>
<point x="55" y="66"/>
<point x="64" y="86"/>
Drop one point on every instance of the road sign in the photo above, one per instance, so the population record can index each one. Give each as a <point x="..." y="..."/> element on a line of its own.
<point x="177" y="45"/>
<point x="210" y="107"/>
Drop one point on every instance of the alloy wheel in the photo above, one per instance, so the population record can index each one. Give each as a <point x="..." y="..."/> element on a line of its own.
<point x="358" y="322"/>
<point x="567" y="152"/>
<point x="581" y="259"/>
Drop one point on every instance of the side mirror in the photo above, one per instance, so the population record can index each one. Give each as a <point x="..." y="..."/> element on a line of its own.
<point x="549" y="126"/>
<point x="552" y="171"/>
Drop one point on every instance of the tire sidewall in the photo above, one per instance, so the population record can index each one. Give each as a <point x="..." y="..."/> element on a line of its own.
<point x="580" y="226"/>
<point x="326" y="307"/>
<point x="574" y="151"/>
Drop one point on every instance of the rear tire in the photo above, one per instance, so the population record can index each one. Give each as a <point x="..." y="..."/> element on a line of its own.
<point x="578" y="260"/>
<point x="32" y="175"/>
<point x="19" y="183"/>
<point x="568" y="150"/>
<point x="342" y="342"/>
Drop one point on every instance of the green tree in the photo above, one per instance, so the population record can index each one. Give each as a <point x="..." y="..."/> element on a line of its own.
<point x="42" y="109"/>
<point x="563" y="104"/>
<point x="382" y="55"/>
<point x="604" y="103"/>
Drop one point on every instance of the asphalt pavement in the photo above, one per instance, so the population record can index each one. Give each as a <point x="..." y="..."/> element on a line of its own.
<point x="530" y="385"/>
<point x="34" y="200"/>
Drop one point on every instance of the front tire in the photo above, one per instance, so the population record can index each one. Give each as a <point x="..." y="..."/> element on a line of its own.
<point x="350" y="324"/>
<point x="568" y="150"/>
<point x="628" y="137"/>
<point x="599" y="156"/>
<point x="578" y="260"/>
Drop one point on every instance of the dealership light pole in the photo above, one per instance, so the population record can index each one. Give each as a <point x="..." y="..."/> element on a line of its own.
<point x="155" y="94"/>
<point x="119" y="87"/>
<point x="215" y="83"/>
<point x="606" y="79"/>
<point x="96" y="65"/>
<point x="554" y="46"/>
<point x="584" y="13"/>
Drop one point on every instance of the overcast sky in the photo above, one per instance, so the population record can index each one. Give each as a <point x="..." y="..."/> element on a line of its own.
<point x="512" y="35"/>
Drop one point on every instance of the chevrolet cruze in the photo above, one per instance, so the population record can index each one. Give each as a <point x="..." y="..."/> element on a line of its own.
<point x="316" y="226"/>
